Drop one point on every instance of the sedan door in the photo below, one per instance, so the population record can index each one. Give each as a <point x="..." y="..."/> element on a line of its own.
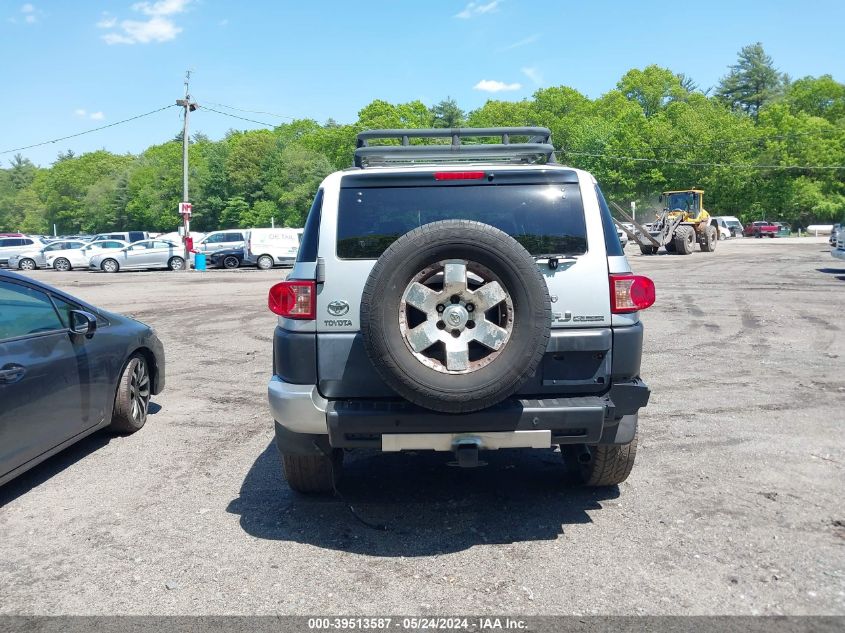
<point x="140" y="255"/>
<point x="40" y="396"/>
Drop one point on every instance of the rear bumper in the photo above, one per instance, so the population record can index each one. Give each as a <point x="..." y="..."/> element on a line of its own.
<point x="373" y="423"/>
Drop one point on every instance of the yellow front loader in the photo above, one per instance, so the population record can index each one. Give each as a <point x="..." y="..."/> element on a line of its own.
<point x="681" y="224"/>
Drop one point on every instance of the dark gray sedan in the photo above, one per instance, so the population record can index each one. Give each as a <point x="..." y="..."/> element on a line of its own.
<point x="67" y="369"/>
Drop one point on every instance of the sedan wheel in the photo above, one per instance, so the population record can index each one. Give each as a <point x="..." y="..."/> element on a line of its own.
<point x="176" y="263"/>
<point x="132" y="401"/>
<point x="61" y="264"/>
<point x="230" y="261"/>
<point x="110" y="266"/>
<point x="27" y="264"/>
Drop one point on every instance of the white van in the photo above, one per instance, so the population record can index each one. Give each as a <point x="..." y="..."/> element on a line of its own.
<point x="728" y="224"/>
<point x="267" y="247"/>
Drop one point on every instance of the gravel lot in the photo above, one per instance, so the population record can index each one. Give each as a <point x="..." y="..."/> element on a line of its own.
<point x="735" y="505"/>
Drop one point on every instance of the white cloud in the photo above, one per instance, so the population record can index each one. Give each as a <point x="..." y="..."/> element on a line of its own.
<point x="82" y="113"/>
<point x="474" y="9"/>
<point x="491" y="85"/>
<point x="523" y="42"/>
<point x="31" y="14"/>
<point x="158" y="28"/>
<point x="161" y="7"/>
<point x="534" y="75"/>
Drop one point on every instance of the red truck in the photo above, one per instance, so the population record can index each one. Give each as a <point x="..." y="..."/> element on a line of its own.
<point x="760" y="228"/>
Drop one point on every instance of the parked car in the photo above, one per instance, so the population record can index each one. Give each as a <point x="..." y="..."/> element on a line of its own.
<point x="79" y="257"/>
<point x="67" y="369"/>
<point x="760" y="228"/>
<point x="268" y="247"/>
<point x="219" y="240"/>
<point x="784" y="229"/>
<point x="11" y="246"/>
<point x="145" y="255"/>
<point x="623" y="237"/>
<point x="227" y="258"/>
<point x="834" y="234"/>
<point x="459" y="308"/>
<point x="126" y="236"/>
<point x="838" y="248"/>
<point x="37" y="257"/>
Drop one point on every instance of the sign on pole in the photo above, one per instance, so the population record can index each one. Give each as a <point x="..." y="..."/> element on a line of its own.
<point x="185" y="208"/>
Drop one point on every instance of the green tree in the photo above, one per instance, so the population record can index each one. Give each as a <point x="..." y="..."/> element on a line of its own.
<point x="448" y="114"/>
<point x="818" y="96"/>
<point x="653" y="88"/>
<point x="235" y="213"/>
<point x="752" y="82"/>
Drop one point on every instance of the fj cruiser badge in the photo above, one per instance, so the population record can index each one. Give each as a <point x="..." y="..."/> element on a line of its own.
<point x="338" y="308"/>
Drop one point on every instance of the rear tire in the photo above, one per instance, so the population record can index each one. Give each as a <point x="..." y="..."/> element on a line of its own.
<point x="709" y="239"/>
<point x="132" y="400"/>
<point x="312" y="474"/>
<point x="683" y="240"/>
<point x="648" y="250"/>
<point x="610" y="465"/>
<point x="27" y="264"/>
<point x="61" y="264"/>
<point x="265" y="262"/>
<point x="230" y="262"/>
<point x="176" y="263"/>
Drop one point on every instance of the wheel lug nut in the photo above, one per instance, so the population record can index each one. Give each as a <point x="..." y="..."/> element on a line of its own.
<point x="456" y="333"/>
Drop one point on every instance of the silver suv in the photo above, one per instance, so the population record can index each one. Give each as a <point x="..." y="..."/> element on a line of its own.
<point x="458" y="296"/>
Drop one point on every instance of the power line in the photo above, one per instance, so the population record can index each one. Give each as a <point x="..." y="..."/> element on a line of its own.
<point x="235" y="116"/>
<point x="96" y="129"/>
<point x="228" y="107"/>
<point x="695" y="164"/>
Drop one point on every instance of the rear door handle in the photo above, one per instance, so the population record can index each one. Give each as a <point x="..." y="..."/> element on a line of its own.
<point x="11" y="373"/>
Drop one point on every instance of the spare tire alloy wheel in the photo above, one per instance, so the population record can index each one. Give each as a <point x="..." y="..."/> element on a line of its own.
<point x="455" y="316"/>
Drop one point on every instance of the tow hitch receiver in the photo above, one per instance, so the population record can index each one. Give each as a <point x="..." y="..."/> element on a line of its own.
<point x="466" y="453"/>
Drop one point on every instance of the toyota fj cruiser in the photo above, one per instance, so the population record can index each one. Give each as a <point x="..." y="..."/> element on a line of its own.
<point x="456" y="296"/>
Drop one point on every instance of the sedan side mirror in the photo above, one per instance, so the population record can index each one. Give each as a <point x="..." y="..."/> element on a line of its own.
<point x="83" y="322"/>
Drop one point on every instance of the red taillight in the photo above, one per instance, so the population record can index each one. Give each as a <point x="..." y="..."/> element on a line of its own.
<point x="629" y="293"/>
<point x="293" y="299"/>
<point x="459" y="175"/>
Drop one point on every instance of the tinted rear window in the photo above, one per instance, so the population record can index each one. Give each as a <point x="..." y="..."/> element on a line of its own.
<point x="544" y="218"/>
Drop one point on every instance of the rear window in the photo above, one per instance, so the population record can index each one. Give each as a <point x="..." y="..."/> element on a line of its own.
<point x="544" y="218"/>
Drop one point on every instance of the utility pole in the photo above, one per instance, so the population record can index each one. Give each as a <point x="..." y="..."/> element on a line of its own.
<point x="185" y="208"/>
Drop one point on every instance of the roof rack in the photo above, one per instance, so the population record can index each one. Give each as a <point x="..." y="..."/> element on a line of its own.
<point x="538" y="148"/>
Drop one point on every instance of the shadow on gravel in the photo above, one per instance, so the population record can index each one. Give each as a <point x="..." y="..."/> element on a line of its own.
<point x="57" y="463"/>
<point x="52" y="466"/>
<point x="414" y="504"/>
<point x="839" y="272"/>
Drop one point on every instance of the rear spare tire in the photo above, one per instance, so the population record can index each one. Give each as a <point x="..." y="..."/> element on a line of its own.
<point x="455" y="316"/>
